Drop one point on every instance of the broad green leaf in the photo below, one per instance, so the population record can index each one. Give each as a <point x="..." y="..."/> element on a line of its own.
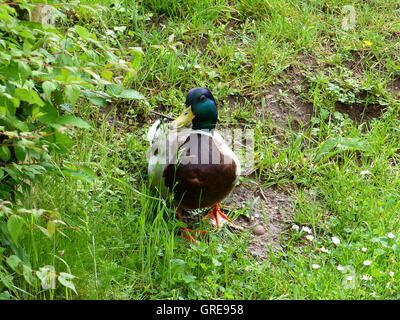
<point x="20" y="152"/>
<point x="99" y="101"/>
<point x="79" y="174"/>
<point x="115" y="89"/>
<point x="64" y="142"/>
<point x="131" y="94"/>
<point x="49" y="113"/>
<point x="5" y="295"/>
<point x="14" y="225"/>
<point x="18" y="124"/>
<point x="47" y="276"/>
<point x="5" y="153"/>
<point x="73" y="121"/>
<point x="24" y="70"/>
<point x="66" y="280"/>
<point x="44" y="230"/>
<point x="48" y="87"/>
<point x="82" y="31"/>
<point x="106" y="74"/>
<point x="353" y="144"/>
<point x="28" y="275"/>
<point x="30" y="96"/>
<point x="51" y="227"/>
<point x="71" y="93"/>
<point x="67" y="107"/>
<point x="326" y="147"/>
<point x="97" y="98"/>
<point x="188" y="277"/>
<point x="13" y="262"/>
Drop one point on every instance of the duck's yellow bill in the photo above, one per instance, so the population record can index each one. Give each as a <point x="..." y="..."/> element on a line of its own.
<point x="183" y="119"/>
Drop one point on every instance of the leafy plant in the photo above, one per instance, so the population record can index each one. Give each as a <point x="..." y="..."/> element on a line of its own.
<point x="45" y="73"/>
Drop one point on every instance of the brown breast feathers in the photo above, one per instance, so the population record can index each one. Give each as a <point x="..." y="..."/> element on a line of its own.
<point x="203" y="176"/>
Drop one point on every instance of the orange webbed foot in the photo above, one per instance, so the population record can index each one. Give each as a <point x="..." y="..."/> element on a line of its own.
<point x="218" y="218"/>
<point x="186" y="232"/>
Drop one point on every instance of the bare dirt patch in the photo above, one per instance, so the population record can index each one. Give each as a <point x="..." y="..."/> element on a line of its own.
<point x="359" y="112"/>
<point x="394" y="88"/>
<point x="270" y="210"/>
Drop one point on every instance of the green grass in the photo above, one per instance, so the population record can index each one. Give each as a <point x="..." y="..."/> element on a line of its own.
<point x="121" y="239"/>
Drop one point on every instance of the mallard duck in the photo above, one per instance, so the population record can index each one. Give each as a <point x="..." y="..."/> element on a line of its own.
<point x="191" y="159"/>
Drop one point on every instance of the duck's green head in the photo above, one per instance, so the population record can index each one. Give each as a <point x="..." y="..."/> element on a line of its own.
<point x="201" y="109"/>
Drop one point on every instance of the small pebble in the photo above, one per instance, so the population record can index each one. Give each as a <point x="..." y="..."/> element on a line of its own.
<point x="254" y="254"/>
<point x="259" y="230"/>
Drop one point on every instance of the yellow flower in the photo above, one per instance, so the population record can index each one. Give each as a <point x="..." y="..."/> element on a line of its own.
<point x="368" y="43"/>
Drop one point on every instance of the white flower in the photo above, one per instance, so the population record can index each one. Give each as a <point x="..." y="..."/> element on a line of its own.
<point x="373" y="294"/>
<point x="316" y="266"/>
<point x="335" y="240"/>
<point x="306" y="229"/>
<point x="197" y="66"/>
<point x="349" y="278"/>
<point x="365" y="172"/>
<point x="181" y="67"/>
<point x="295" y="227"/>
<point x="324" y="250"/>
<point x="390" y="235"/>
<point x="366" y="277"/>
<point x="364" y="249"/>
<point x="391" y="273"/>
<point x="340" y="268"/>
<point x="309" y="237"/>
<point x="367" y="262"/>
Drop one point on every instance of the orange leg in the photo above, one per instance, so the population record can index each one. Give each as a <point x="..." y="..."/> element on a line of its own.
<point x="186" y="232"/>
<point x="218" y="218"/>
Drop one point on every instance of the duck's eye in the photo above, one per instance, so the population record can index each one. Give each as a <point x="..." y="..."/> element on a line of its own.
<point x="202" y="98"/>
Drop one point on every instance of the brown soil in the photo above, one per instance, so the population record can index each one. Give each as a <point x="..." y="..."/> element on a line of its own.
<point x="271" y="209"/>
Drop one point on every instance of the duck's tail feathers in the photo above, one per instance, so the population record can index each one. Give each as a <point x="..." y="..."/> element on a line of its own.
<point x="152" y="133"/>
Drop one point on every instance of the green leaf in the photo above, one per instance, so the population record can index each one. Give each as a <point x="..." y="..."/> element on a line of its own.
<point x="72" y="93"/>
<point x="44" y="230"/>
<point x="97" y="98"/>
<point x="28" y="275"/>
<point x="24" y="70"/>
<point x="188" y="277"/>
<point x="13" y="262"/>
<point x="47" y="276"/>
<point x="216" y="262"/>
<point x="83" y="32"/>
<point x="51" y="227"/>
<point x="98" y="101"/>
<point x="5" y="295"/>
<point x="106" y="74"/>
<point x="49" y="113"/>
<point x="73" y="121"/>
<point x="66" y="280"/>
<point x="67" y="107"/>
<point x="20" y="152"/>
<point x="84" y="175"/>
<point x="5" y="153"/>
<point x="63" y="142"/>
<point x="48" y="87"/>
<point x="326" y="147"/>
<point x="131" y="94"/>
<point x="115" y="89"/>
<point x="30" y="96"/>
<point x="14" y="225"/>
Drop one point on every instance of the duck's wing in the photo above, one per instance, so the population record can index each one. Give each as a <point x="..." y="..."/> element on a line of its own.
<point x="225" y="149"/>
